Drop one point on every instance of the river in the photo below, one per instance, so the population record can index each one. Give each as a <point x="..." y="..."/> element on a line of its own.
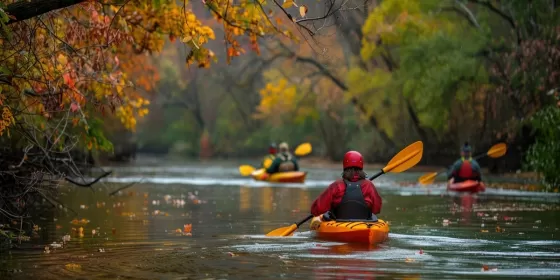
<point x="498" y="234"/>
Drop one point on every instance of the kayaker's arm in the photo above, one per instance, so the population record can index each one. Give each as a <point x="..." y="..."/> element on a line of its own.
<point x="323" y="203"/>
<point x="296" y="165"/>
<point x="273" y="168"/>
<point x="454" y="168"/>
<point x="476" y="170"/>
<point x="371" y="192"/>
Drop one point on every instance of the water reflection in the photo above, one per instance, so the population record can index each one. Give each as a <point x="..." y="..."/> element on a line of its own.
<point x="137" y="228"/>
<point x="244" y="198"/>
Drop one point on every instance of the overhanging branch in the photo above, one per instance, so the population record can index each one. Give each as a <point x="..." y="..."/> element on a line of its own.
<point x="23" y="10"/>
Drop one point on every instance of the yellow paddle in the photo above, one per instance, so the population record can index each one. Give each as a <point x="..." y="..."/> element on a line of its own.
<point x="301" y="150"/>
<point x="404" y="160"/>
<point x="495" y="151"/>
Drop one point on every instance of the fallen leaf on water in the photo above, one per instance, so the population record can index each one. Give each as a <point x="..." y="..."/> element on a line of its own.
<point x="409" y="260"/>
<point x="73" y="266"/>
<point x="79" y="222"/>
<point x="187" y="228"/>
<point x="483" y="230"/>
<point x="487" y="268"/>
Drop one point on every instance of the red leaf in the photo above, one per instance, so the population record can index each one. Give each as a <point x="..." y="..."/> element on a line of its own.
<point x="68" y="80"/>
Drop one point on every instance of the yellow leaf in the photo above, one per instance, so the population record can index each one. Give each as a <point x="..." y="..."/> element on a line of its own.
<point x="62" y="59"/>
<point x="287" y="4"/>
<point x="302" y="10"/>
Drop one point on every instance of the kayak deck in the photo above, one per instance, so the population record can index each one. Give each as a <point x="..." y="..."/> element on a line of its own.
<point x="467" y="186"/>
<point x="280" y="177"/>
<point x="354" y="231"/>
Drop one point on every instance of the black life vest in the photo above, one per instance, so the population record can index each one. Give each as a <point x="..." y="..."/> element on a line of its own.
<point x="353" y="205"/>
<point x="287" y="163"/>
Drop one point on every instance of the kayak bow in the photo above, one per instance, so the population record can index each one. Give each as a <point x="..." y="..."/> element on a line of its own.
<point x="467" y="186"/>
<point x="354" y="231"/>
<point x="280" y="177"/>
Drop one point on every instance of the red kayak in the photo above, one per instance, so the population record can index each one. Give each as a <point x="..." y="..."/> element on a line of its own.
<point x="467" y="186"/>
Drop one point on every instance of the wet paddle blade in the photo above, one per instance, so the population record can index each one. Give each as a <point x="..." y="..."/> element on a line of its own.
<point x="267" y="163"/>
<point x="427" y="178"/>
<point x="497" y="150"/>
<point x="406" y="158"/>
<point x="246" y="170"/>
<point x="283" y="231"/>
<point x="303" y="149"/>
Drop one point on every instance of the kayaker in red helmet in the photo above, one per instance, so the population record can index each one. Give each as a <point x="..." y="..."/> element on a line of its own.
<point x="465" y="168"/>
<point x="353" y="197"/>
<point x="271" y="154"/>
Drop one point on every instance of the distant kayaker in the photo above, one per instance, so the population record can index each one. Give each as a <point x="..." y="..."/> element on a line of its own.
<point x="271" y="154"/>
<point x="353" y="197"/>
<point x="284" y="160"/>
<point x="465" y="168"/>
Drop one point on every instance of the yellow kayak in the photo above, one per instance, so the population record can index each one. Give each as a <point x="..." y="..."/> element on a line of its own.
<point x="281" y="177"/>
<point x="353" y="231"/>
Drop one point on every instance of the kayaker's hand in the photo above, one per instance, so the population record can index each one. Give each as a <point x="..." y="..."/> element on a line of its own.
<point x="315" y="222"/>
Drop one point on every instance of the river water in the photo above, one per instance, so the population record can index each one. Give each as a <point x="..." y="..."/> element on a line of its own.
<point x="498" y="234"/>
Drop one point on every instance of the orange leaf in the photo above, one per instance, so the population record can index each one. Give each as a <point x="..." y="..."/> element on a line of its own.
<point x="231" y="51"/>
<point x="68" y="80"/>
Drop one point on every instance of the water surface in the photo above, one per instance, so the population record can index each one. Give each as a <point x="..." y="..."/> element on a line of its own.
<point x="434" y="234"/>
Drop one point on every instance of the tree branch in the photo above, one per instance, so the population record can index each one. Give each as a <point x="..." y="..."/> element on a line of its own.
<point x="23" y="10"/>
<point x="502" y="14"/>
<point x="90" y="183"/>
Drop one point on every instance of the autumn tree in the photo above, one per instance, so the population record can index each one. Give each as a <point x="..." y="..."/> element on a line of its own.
<point x="66" y="67"/>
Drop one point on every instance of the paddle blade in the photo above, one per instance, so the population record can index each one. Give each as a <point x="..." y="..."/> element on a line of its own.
<point x="246" y="170"/>
<point x="303" y="149"/>
<point x="267" y="162"/>
<point x="283" y="231"/>
<point x="497" y="150"/>
<point x="406" y="158"/>
<point x="427" y="178"/>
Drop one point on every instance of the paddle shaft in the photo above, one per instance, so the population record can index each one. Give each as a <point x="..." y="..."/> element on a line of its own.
<point x="304" y="220"/>
<point x="381" y="172"/>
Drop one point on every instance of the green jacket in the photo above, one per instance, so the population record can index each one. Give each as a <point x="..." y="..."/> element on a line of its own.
<point x="283" y="160"/>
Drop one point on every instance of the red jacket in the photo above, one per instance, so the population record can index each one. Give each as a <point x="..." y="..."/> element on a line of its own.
<point x="332" y="196"/>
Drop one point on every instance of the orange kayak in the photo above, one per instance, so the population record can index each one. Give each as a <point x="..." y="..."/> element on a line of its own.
<point x="281" y="177"/>
<point x="467" y="186"/>
<point x="354" y="231"/>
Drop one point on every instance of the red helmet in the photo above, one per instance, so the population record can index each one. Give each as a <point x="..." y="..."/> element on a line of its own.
<point x="353" y="159"/>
